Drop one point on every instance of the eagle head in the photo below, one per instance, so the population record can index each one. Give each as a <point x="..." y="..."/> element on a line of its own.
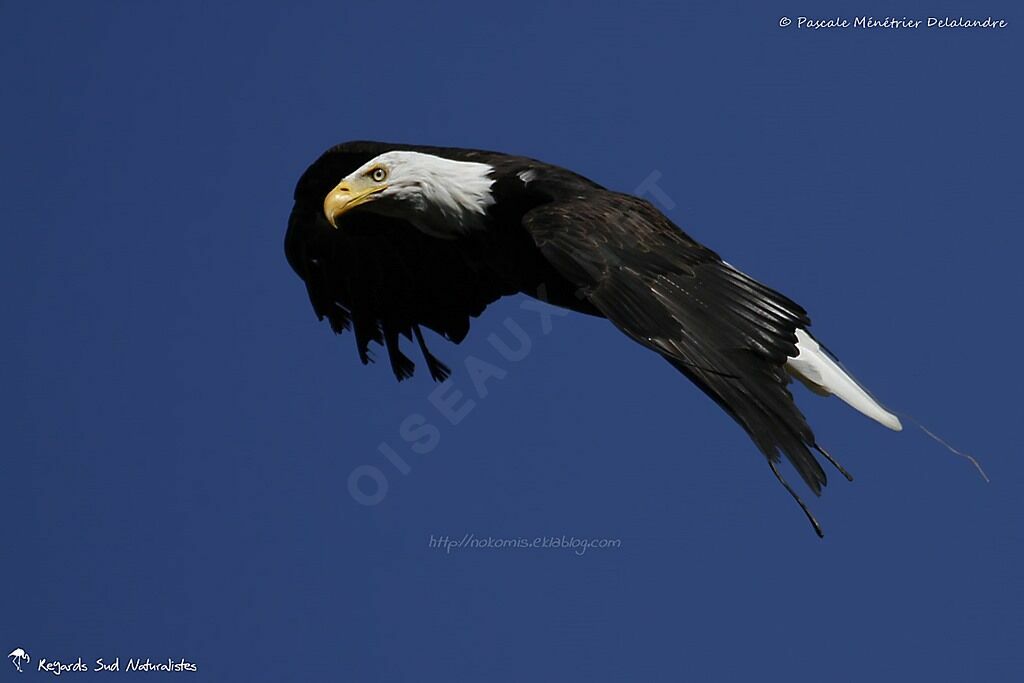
<point x="440" y="196"/>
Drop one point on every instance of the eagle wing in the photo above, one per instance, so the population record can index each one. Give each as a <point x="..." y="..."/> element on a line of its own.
<point x="378" y="276"/>
<point x="725" y="331"/>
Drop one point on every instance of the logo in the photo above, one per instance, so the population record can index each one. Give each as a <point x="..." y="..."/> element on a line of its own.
<point x="17" y="657"/>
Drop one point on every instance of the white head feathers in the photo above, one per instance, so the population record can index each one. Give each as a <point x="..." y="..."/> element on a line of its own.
<point x="439" y="196"/>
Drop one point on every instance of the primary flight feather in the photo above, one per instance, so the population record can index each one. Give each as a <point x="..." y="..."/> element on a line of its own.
<point x="390" y="238"/>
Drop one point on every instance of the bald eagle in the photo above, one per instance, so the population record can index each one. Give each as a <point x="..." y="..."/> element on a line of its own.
<point x="392" y="238"/>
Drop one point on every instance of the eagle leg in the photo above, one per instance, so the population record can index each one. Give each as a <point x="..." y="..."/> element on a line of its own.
<point x="814" y="522"/>
<point x="400" y="363"/>
<point x="439" y="372"/>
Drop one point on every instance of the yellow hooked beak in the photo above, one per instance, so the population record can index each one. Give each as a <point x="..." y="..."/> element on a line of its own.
<point x="349" y="194"/>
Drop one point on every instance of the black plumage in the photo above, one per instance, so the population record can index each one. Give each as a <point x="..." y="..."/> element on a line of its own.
<point x="579" y="246"/>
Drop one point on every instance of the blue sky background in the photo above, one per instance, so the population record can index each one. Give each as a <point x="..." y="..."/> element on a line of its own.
<point x="178" y="430"/>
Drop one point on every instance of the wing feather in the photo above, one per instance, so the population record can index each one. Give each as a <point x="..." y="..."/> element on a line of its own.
<point x="728" y="333"/>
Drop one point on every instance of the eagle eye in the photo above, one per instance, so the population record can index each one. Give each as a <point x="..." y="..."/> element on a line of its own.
<point x="378" y="174"/>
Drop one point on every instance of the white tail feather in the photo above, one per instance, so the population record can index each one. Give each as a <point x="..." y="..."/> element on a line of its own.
<point x="822" y="374"/>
